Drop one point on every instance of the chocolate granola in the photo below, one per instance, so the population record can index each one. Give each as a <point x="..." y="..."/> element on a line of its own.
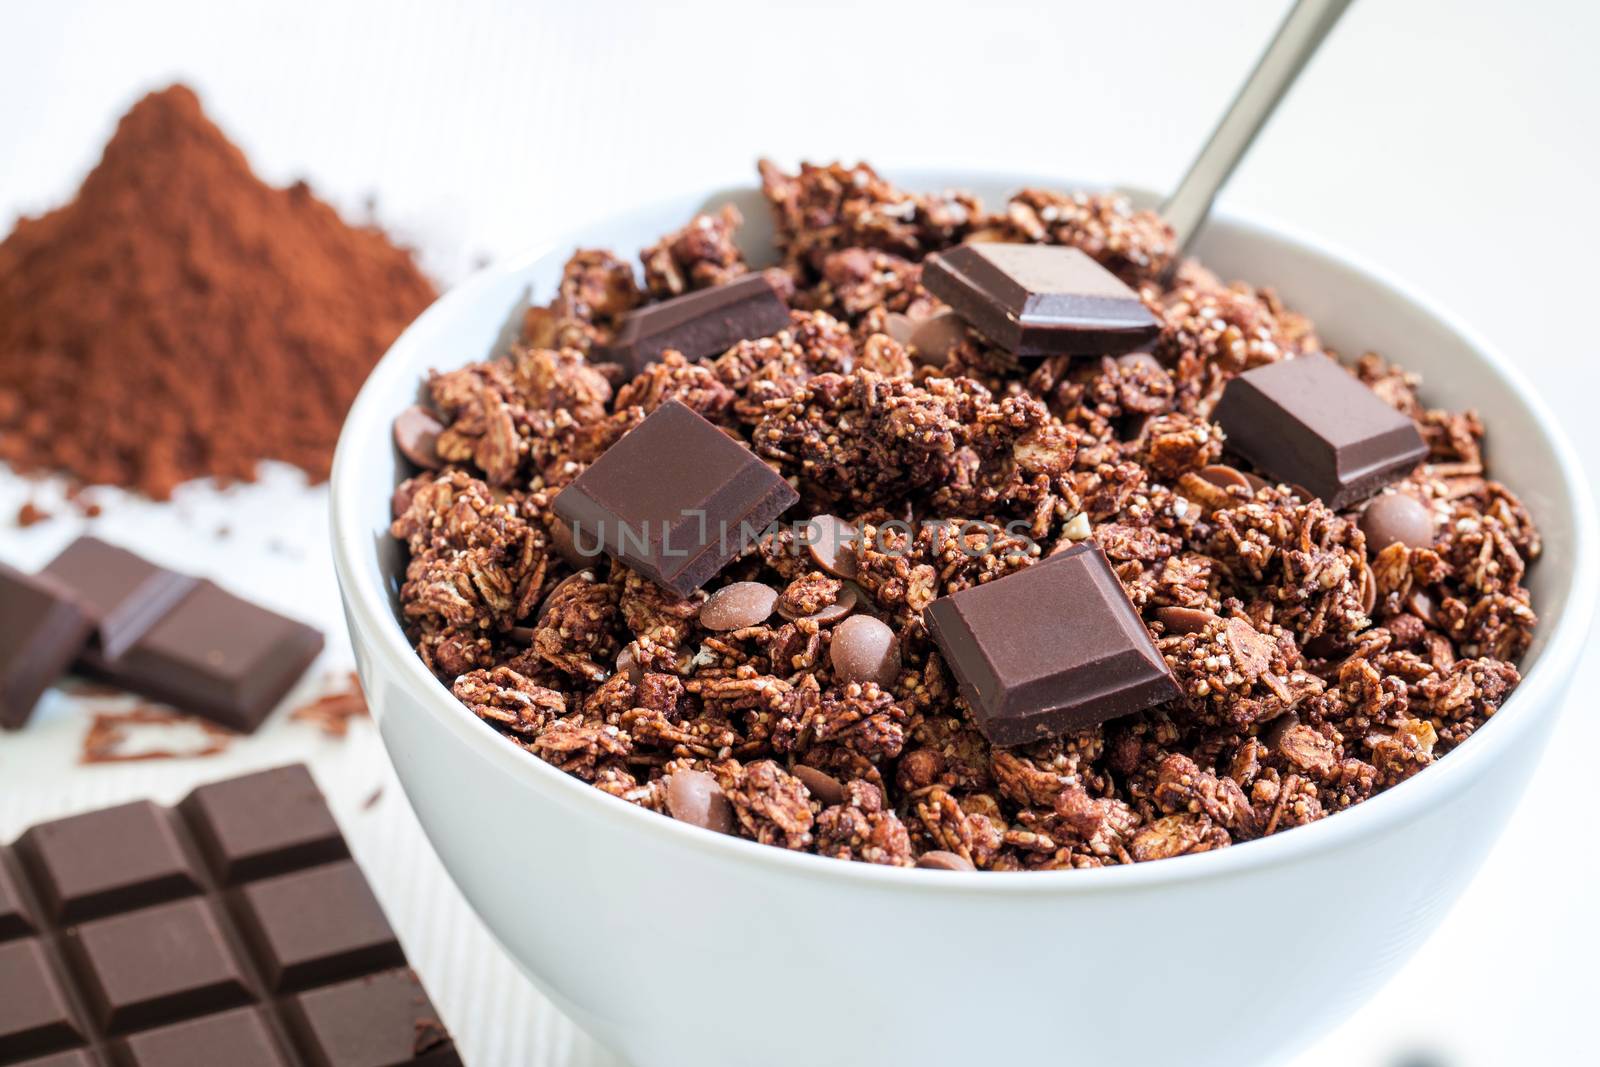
<point x="811" y="710"/>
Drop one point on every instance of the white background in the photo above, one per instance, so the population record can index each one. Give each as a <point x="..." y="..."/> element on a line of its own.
<point x="1450" y="143"/>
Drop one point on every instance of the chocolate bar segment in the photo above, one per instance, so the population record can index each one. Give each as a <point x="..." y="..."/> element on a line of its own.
<point x="1050" y="650"/>
<point x="371" y="1022"/>
<point x="16" y="917"/>
<point x="675" y="499"/>
<point x="1040" y="300"/>
<point x="36" y="1016"/>
<point x="262" y="824"/>
<point x="124" y="593"/>
<point x="42" y="630"/>
<point x="78" y="1057"/>
<point x="215" y="975"/>
<point x="1309" y="422"/>
<point x="124" y="857"/>
<point x="155" y="965"/>
<point x="703" y="323"/>
<point x="237" y="1038"/>
<point x="316" y="926"/>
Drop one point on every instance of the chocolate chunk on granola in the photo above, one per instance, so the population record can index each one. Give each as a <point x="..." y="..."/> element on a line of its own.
<point x="1308" y="422"/>
<point x="1049" y="650"/>
<point x="1040" y="300"/>
<point x="675" y="499"/>
<point x="42" y="630"/>
<point x="703" y="323"/>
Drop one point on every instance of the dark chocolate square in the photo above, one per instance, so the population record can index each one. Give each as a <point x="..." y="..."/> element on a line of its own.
<point x="1040" y="300"/>
<point x="316" y="926"/>
<point x="155" y="966"/>
<point x="35" y="1015"/>
<point x="123" y="593"/>
<point x="1050" y="650"/>
<point x="703" y="323"/>
<point x="115" y="859"/>
<point x="237" y="1038"/>
<point x="382" y="1020"/>
<point x="1309" y="422"/>
<point x="43" y="628"/>
<point x="262" y="824"/>
<point x="675" y="499"/>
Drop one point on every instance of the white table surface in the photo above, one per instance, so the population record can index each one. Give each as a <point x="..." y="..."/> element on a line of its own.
<point x="1443" y="141"/>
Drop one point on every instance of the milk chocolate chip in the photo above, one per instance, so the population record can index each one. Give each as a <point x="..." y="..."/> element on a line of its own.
<point x="1397" y="517"/>
<point x="825" y="787"/>
<point x="736" y="606"/>
<point x="416" y="434"/>
<point x="865" y="650"/>
<point x="695" y="797"/>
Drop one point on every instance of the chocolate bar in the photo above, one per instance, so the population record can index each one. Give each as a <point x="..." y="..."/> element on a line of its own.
<point x="1309" y="422"/>
<point x="1040" y="300"/>
<point x="181" y="640"/>
<point x="703" y="323"/>
<point x="675" y="499"/>
<point x="234" y="929"/>
<point x="1049" y="650"/>
<point x="42" y="629"/>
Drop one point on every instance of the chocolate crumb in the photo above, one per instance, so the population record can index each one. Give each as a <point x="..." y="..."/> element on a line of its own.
<point x="333" y="712"/>
<point x="111" y="733"/>
<point x="31" y="514"/>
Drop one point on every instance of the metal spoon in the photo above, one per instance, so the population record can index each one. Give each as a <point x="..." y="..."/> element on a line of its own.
<point x="1303" y="30"/>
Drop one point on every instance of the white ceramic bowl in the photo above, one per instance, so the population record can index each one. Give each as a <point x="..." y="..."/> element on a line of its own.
<point x="676" y="946"/>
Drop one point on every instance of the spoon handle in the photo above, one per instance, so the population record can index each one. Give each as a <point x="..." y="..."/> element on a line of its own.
<point x="1303" y="29"/>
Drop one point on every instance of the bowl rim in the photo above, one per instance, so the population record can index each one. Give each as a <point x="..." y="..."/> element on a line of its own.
<point x="1539" y="693"/>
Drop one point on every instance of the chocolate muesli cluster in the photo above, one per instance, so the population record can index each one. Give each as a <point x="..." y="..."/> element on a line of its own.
<point x="1023" y="604"/>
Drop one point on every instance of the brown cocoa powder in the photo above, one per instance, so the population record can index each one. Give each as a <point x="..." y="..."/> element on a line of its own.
<point x="181" y="318"/>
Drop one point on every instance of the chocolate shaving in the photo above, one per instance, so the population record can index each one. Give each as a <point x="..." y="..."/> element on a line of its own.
<point x="111" y="731"/>
<point x="332" y="713"/>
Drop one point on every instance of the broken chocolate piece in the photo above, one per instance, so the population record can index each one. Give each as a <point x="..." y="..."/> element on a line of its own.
<point x="1050" y="650"/>
<point x="294" y="966"/>
<point x="42" y="630"/>
<point x="703" y="323"/>
<point x="1308" y="422"/>
<point x="219" y="656"/>
<point x="122" y="592"/>
<point x="181" y="640"/>
<point x="675" y="499"/>
<point x="1040" y="300"/>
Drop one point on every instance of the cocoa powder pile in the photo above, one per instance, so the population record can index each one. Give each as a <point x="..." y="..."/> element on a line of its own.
<point x="180" y="318"/>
